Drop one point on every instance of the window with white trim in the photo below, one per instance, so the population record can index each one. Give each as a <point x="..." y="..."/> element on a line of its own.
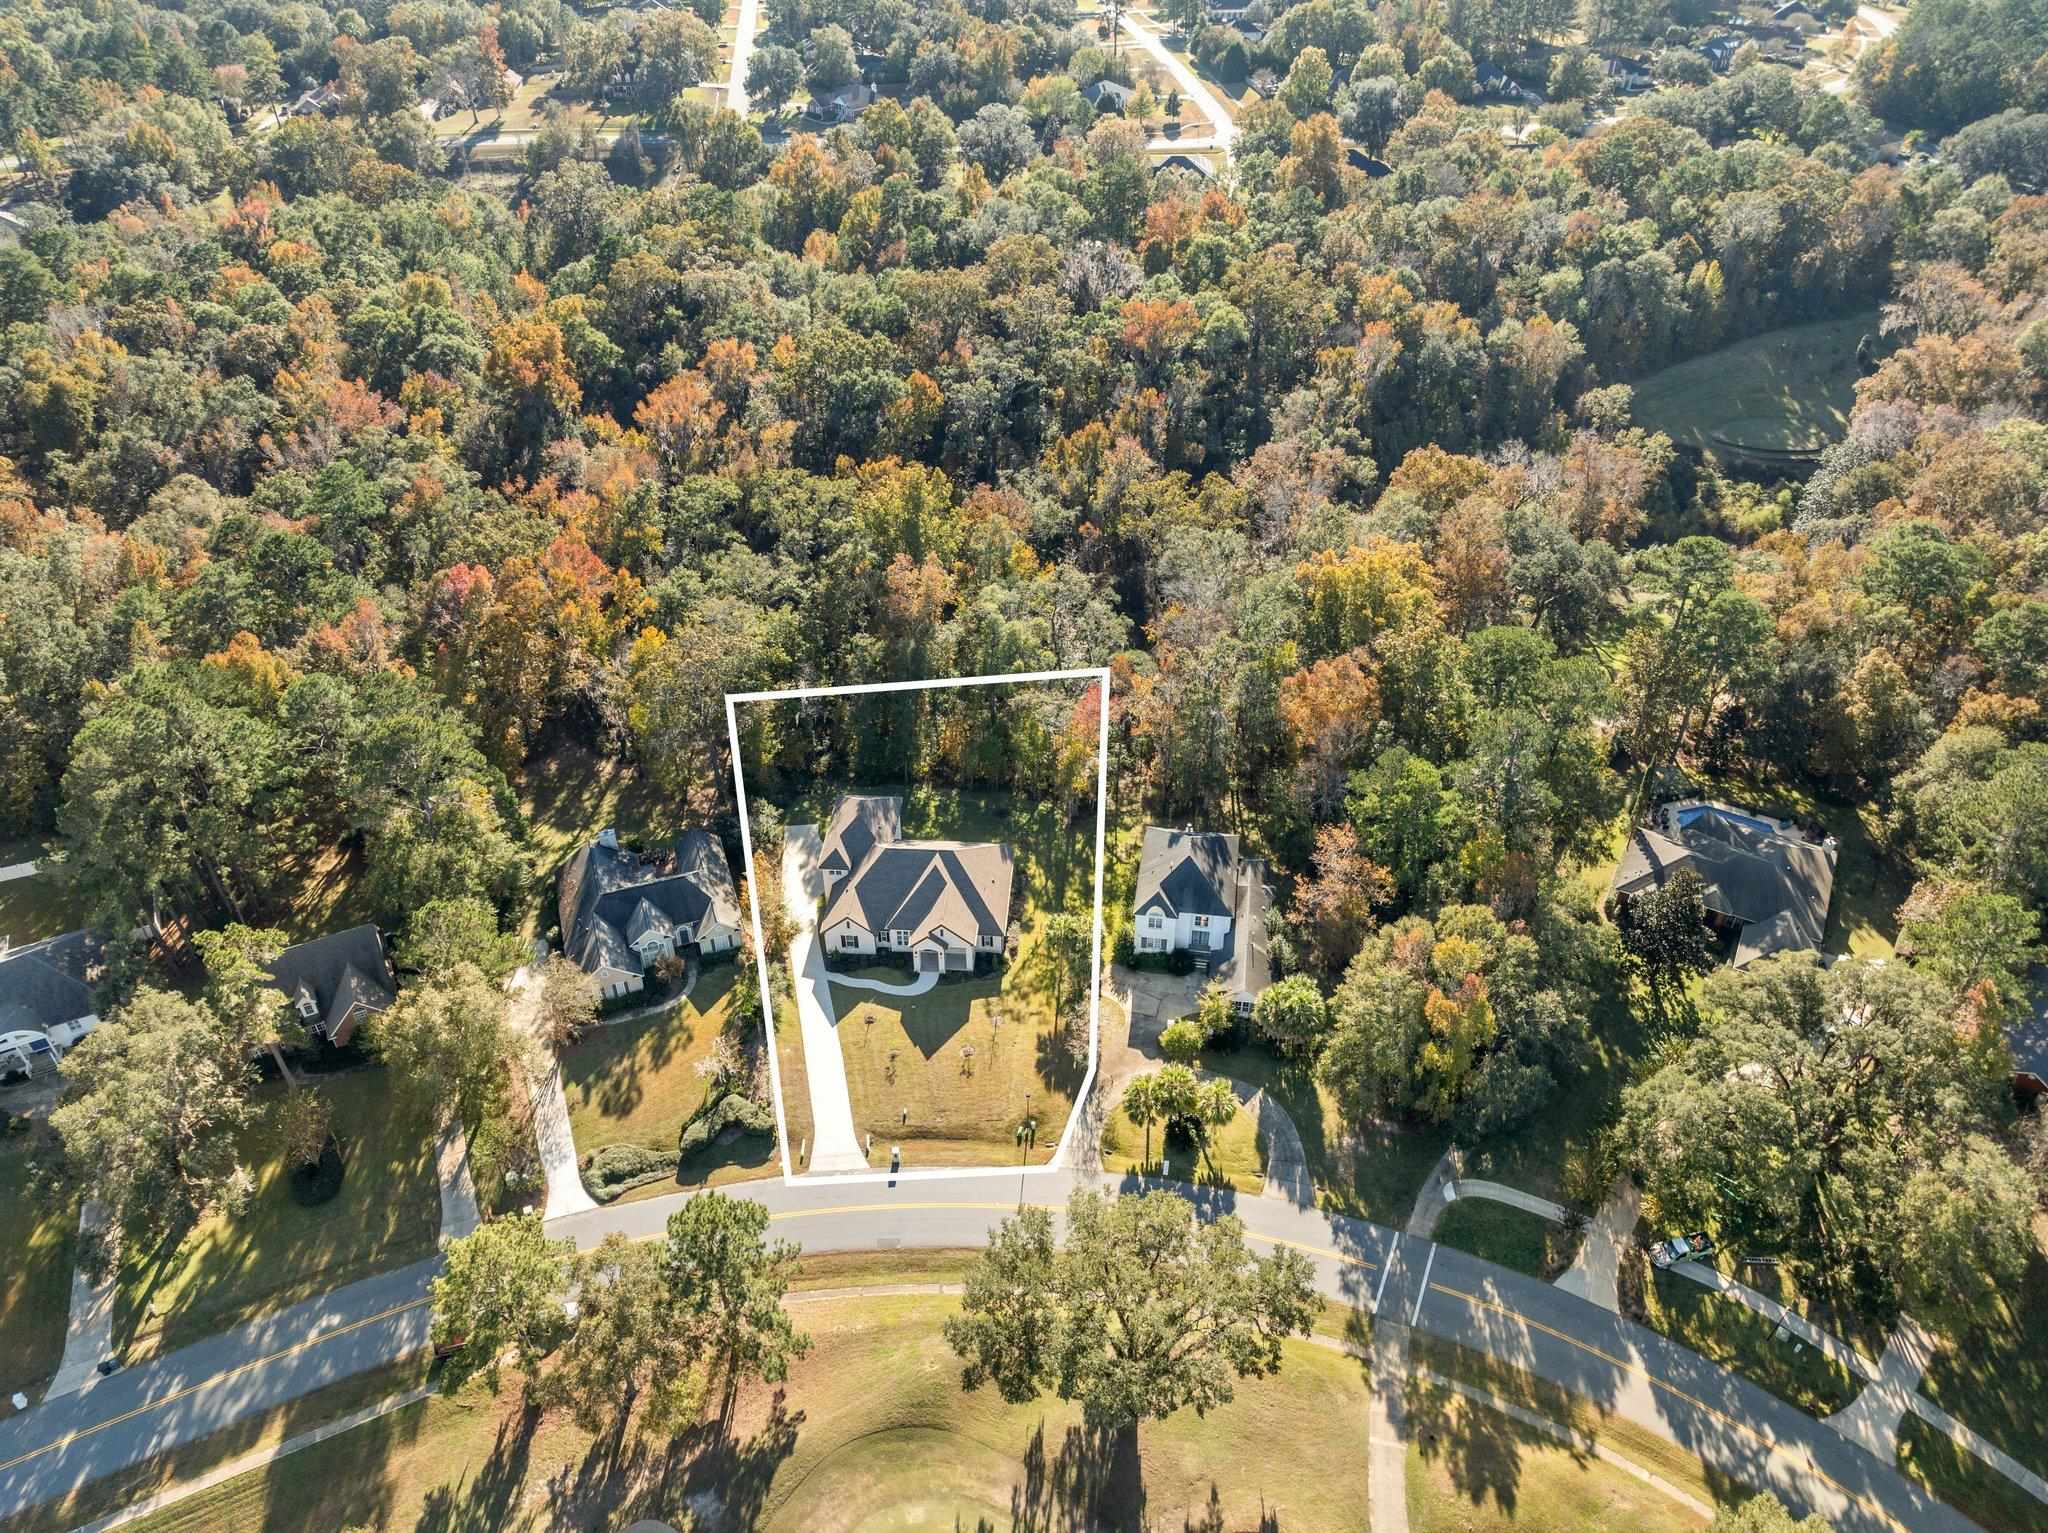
<point x="1156" y="923"/>
<point x="849" y="941"/>
<point x="1201" y="923"/>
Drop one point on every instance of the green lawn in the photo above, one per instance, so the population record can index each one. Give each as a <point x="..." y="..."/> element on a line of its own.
<point x="1480" y="1471"/>
<point x="1783" y="393"/>
<point x="1373" y="1172"/>
<point x="1994" y="1376"/>
<point x="1236" y="1158"/>
<point x="35" y="1273"/>
<point x="796" y="1086"/>
<point x="1725" y="1332"/>
<point x="872" y="1433"/>
<point x="1963" y="1480"/>
<point x="1500" y="1232"/>
<point x="41" y="905"/>
<point x="229" y="1268"/>
<point x="635" y="1082"/>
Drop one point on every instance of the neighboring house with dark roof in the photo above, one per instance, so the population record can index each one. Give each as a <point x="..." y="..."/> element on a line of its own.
<point x="943" y="904"/>
<point x="46" y="1003"/>
<point x="1185" y="162"/>
<point x="1108" y="95"/>
<point x="333" y="982"/>
<point x="1199" y="894"/>
<point x="842" y="103"/>
<point x="623" y="911"/>
<point x="1766" y="881"/>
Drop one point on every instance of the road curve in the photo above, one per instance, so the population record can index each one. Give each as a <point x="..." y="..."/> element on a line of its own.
<point x="1732" y="1425"/>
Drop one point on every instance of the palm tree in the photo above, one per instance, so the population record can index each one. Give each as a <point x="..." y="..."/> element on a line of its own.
<point x="1141" y="1106"/>
<point x="1214" y="1108"/>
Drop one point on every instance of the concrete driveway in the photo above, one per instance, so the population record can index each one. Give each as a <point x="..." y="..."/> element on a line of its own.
<point x="834" y="1145"/>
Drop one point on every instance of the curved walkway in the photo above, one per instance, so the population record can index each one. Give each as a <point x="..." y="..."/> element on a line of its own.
<point x="918" y="986"/>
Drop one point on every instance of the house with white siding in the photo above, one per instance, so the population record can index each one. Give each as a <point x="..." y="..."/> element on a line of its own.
<point x="624" y="911"/>
<point x="1199" y="894"/>
<point x="944" y="905"/>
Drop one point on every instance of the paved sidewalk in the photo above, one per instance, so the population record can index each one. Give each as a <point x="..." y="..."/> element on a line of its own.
<point x="1595" y="1273"/>
<point x="834" y="1144"/>
<point x="1990" y="1453"/>
<point x="89" y="1331"/>
<point x="1430" y="1203"/>
<point x="136" y="1511"/>
<point x="1498" y="1192"/>
<point x="1829" y="1344"/>
<point x="17" y="870"/>
<point x="459" y="1213"/>
<point x="1872" y="1418"/>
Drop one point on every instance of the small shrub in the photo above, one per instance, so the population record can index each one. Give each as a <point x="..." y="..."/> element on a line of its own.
<point x="734" y="1111"/>
<point x="618" y="1168"/>
<point x="319" y="1181"/>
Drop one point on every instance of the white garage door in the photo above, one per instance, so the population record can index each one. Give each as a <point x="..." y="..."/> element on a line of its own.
<point x="928" y="958"/>
<point x="959" y="958"/>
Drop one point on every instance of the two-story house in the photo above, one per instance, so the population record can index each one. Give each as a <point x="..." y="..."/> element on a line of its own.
<point x="624" y="911"/>
<point x="1199" y="894"/>
<point x="333" y="982"/>
<point x="943" y="904"/>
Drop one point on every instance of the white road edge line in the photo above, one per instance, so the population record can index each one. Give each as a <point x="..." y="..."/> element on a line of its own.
<point x="1422" y="1292"/>
<point x="1386" y="1271"/>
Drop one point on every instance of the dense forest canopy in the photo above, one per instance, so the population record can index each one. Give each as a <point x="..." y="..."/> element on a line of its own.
<point x="344" y="483"/>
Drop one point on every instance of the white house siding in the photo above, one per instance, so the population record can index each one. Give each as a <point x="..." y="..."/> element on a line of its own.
<point x="716" y="939"/>
<point x="1179" y="932"/>
<point x="836" y="935"/>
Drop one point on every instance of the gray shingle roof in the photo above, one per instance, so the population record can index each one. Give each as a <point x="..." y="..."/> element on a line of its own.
<point x="920" y="886"/>
<point x="346" y="973"/>
<point x="1777" y="886"/>
<point x="608" y="899"/>
<point x="1186" y="872"/>
<point x="43" y="985"/>
<point x="859" y="823"/>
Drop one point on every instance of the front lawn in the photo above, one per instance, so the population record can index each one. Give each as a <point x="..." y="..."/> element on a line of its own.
<point x="1726" y="1332"/>
<point x="1236" y="1157"/>
<point x="35" y="1272"/>
<point x="1994" y="1377"/>
<point x="637" y="1083"/>
<point x="1929" y="1457"/>
<point x="230" y="1268"/>
<point x="1500" y="1232"/>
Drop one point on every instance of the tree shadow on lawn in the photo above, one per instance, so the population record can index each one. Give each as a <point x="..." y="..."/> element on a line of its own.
<point x="613" y="1057"/>
<point x="706" y="1464"/>
<point x="488" y="1502"/>
<point x="1095" y="1480"/>
<point x="1480" y="1448"/>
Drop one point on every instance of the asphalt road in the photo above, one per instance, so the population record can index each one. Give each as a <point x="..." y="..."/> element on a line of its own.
<point x="1733" y="1426"/>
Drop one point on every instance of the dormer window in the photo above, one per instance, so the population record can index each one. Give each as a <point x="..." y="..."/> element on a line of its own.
<point x="308" y="1007"/>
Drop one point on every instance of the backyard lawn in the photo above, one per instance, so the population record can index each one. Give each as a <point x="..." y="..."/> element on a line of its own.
<point x="566" y="798"/>
<point x="41" y="905"/>
<point x="35" y="1274"/>
<point x="275" y="1252"/>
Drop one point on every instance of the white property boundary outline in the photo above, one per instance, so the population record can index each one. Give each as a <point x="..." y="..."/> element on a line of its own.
<point x="1097" y="674"/>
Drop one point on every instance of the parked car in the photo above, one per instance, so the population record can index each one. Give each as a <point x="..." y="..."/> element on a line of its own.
<point x="1682" y="1248"/>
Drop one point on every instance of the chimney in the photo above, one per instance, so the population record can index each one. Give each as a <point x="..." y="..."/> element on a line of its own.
<point x="608" y="838"/>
